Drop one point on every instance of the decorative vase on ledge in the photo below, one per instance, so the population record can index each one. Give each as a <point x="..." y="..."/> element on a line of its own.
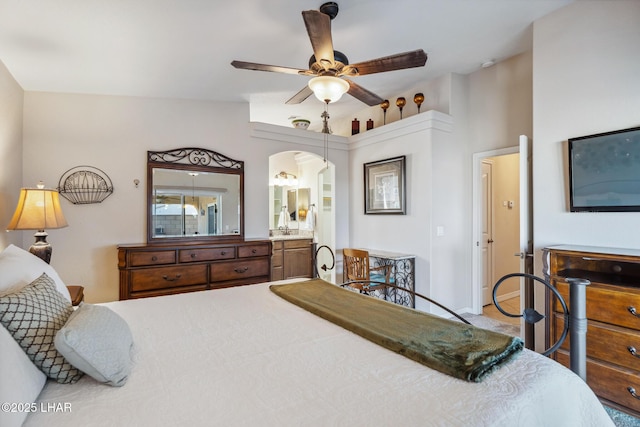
<point x="369" y="124"/>
<point x="355" y="127"/>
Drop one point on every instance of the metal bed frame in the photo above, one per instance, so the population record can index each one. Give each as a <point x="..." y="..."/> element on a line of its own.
<point x="575" y="321"/>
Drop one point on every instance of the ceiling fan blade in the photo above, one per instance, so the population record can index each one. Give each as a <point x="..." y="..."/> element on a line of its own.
<point x="400" y="61"/>
<point x="363" y="94"/>
<point x="273" y="68"/>
<point x="300" y="96"/>
<point x="319" y="29"/>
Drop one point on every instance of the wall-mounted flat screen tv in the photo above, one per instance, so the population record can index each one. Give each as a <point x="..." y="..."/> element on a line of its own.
<point x="604" y="172"/>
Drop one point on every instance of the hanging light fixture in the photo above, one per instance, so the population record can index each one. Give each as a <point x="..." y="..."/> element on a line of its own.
<point x="328" y="88"/>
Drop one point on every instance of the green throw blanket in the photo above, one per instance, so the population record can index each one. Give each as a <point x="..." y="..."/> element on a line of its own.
<point x="454" y="348"/>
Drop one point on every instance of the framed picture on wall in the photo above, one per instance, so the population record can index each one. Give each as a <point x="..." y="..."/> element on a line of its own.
<point x="384" y="186"/>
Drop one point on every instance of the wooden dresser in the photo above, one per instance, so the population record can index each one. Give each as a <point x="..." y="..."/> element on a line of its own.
<point x="151" y="270"/>
<point x="613" y="312"/>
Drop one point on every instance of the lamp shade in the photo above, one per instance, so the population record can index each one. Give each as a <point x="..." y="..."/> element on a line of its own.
<point x="38" y="209"/>
<point x="327" y="88"/>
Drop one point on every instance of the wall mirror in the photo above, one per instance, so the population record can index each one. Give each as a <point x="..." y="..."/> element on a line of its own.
<point x="194" y="194"/>
<point x="290" y="206"/>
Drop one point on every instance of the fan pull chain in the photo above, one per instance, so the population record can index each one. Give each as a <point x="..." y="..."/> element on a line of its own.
<point x="326" y="131"/>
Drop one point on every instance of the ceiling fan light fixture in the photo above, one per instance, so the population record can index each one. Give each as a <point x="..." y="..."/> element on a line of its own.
<point x="328" y="88"/>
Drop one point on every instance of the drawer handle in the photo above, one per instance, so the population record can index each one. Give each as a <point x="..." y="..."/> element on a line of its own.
<point x="253" y="251"/>
<point x="633" y="311"/>
<point x="171" y="279"/>
<point x="632" y="392"/>
<point x="633" y="351"/>
<point x="154" y="258"/>
<point x="193" y="255"/>
<point x="223" y="252"/>
<point x="241" y="269"/>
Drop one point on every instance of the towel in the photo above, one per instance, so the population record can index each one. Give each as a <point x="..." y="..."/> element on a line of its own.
<point x="282" y="219"/>
<point x="310" y="220"/>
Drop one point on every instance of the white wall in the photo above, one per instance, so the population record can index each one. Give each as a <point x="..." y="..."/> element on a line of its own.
<point x="11" y="99"/>
<point x="113" y="133"/>
<point x="434" y="170"/>
<point x="489" y="109"/>
<point x="500" y="103"/>
<point x="586" y="72"/>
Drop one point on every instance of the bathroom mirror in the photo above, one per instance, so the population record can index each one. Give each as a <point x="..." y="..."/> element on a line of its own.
<point x="290" y="206"/>
<point x="292" y="203"/>
<point x="303" y="204"/>
<point x="194" y="194"/>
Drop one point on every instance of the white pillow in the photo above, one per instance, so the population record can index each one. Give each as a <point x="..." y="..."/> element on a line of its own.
<point x="18" y="268"/>
<point x="21" y="380"/>
<point x="97" y="341"/>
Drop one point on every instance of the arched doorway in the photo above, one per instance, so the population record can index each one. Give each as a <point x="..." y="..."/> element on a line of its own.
<point x="301" y="201"/>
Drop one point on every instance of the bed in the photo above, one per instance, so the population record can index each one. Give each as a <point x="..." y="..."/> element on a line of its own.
<point x="244" y="356"/>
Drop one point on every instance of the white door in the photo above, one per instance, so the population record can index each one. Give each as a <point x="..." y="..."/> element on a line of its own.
<point x="480" y="240"/>
<point x="487" y="232"/>
<point x="526" y="236"/>
<point x="526" y="244"/>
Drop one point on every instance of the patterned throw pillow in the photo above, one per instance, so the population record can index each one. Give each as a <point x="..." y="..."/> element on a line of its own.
<point x="33" y="316"/>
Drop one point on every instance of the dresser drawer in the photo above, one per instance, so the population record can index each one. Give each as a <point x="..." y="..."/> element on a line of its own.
<point x="297" y="244"/>
<point x="143" y="258"/>
<point x="609" y="382"/>
<point x="206" y="254"/>
<point x="234" y="270"/>
<point x="168" y="277"/>
<point x="253" y="250"/>
<point x="608" y="343"/>
<point x="606" y="304"/>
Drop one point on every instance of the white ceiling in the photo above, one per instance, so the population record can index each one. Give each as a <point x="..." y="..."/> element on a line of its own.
<point x="183" y="48"/>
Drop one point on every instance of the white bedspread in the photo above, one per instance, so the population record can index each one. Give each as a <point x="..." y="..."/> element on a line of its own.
<point x="245" y="357"/>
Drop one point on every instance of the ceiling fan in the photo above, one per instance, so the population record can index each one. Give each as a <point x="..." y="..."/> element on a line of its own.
<point x="331" y="67"/>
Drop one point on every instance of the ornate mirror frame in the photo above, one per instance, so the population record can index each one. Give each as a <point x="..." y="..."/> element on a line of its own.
<point x="193" y="161"/>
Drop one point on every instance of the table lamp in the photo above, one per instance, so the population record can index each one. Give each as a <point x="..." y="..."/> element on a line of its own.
<point x="38" y="208"/>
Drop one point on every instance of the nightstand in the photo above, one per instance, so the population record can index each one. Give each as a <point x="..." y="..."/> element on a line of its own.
<point x="77" y="294"/>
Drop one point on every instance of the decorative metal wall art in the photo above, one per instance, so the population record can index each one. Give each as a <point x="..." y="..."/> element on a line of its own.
<point x="195" y="156"/>
<point x="83" y="185"/>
